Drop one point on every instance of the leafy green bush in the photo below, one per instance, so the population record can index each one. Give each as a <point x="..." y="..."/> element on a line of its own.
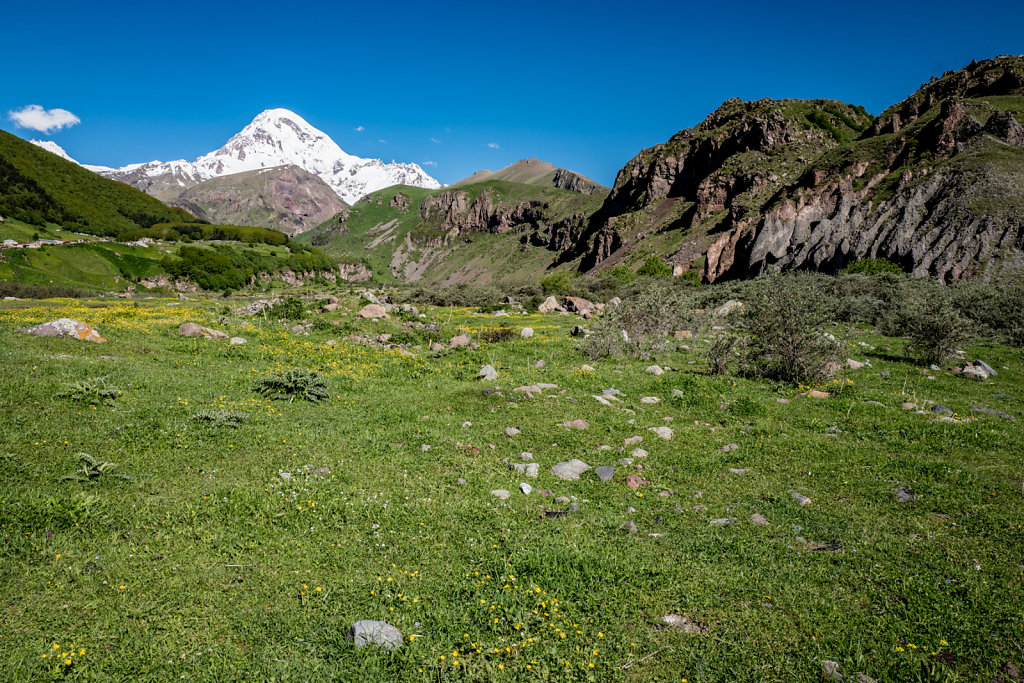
<point x="292" y="384"/>
<point x="654" y="267"/>
<point x="291" y="308"/>
<point x="559" y="282"/>
<point x="872" y="266"/>
<point x="649" y="311"/>
<point x="786" y="318"/>
<point x="926" y="313"/>
<point x="719" y="354"/>
<point x="23" y="290"/>
<point x="497" y="334"/>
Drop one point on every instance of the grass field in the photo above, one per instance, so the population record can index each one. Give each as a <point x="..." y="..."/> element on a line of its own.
<point x="204" y="561"/>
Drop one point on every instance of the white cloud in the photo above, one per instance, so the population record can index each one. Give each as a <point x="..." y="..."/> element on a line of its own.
<point x="47" y="121"/>
<point x="494" y="145"/>
<point x="382" y="141"/>
<point x="430" y="163"/>
<point x="435" y="141"/>
<point x="360" y="129"/>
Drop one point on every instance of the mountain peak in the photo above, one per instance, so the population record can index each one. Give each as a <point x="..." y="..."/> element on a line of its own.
<point x="53" y="148"/>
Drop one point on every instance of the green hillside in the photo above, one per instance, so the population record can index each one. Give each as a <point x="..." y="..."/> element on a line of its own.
<point x="40" y="188"/>
<point x="495" y="230"/>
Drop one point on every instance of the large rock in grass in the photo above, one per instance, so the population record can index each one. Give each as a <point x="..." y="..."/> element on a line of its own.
<point x="578" y="305"/>
<point x="570" y="470"/>
<point x="376" y="633"/>
<point x="65" y="327"/>
<point x="372" y="311"/>
<point x="549" y="305"/>
<point x="196" y="330"/>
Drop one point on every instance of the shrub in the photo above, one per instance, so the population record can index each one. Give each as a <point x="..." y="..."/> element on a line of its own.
<point x="291" y="308"/>
<point x="719" y="353"/>
<point x="786" y="318"/>
<point x="560" y="282"/>
<point x="92" y="468"/>
<point x="650" y="310"/>
<point x="873" y="266"/>
<point x="654" y="267"/>
<point x="94" y="391"/>
<point x="292" y="384"/>
<point x="497" y="334"/>
<point x="935" y="327"/>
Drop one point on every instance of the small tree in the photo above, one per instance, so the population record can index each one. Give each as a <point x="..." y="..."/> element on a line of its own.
<point x="935" y="327"/>
<point x="786" y="319"/>
<point x="654" y="267"/>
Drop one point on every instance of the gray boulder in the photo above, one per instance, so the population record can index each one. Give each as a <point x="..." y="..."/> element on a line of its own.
<point x="376" y="633"/>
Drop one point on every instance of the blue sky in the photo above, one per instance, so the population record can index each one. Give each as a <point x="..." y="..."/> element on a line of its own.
<point x="466" y="85"/>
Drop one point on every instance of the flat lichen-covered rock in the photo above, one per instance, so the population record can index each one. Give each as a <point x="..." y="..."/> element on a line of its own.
<point x="65" y="327"/>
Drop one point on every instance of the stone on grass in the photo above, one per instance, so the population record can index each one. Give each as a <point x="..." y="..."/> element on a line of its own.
<point x="729" y="447"/>
<point x="460" y="340"/>
<point x="997" y="413"/>
<point x="487" y="373"/>
<point x="460" y="481"/>
<point x="684" y="624"/>
<point x="802" y="499"/>
<point x="975" y="373"/>
<point x="831" y="670"/>
<point x="376" y="633"/>
<point x="526" y="332"/>
<point x="721" y="521"/>
<point x="638" y="453"/>
<point x="238" y="341"/>
<point x="66" y="327"/>
<point x="814" y="393"/>
<point x="941" y="409"/>
<point x="548" y="305"/>
<point x="759" y="520"/>
<point x="654" y="370"/>
<point x="650" y="400"/>
<point x="630" y="527"/>
<point x="625" y="461"/>
<point x="526" y="488"/>
<point x="728" y="308"/>
<point x="782" y="400"/>
<point x="739" y="470"/>
<point x="529" y="390"/>
<point x="903" y="494"/>
<point x="501" y="493"/>
<point x="907" y="405"/>
<point x="372" y="311"/>
<point x="604" y="472"/>
<point x="986" y="367"/>
<point x="663" y="432"/>
<point x="570" y="469"/>
<point x="195" y="330"/>
<point x="539" y="364"/>
<point x="512" y="431"/>
<point x="574" y="424"/>
<point x="635" y="481"/>
<point x="436" y="347"/>
<point x="586" y="368"/>
<point x="853" y="364"/>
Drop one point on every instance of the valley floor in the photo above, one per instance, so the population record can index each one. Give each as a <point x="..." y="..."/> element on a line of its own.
<point x="220" y="553"/>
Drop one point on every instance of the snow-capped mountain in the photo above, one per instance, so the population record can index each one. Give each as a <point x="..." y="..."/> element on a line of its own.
<point x="54" y="148"/>
<point x="277" y="137"/>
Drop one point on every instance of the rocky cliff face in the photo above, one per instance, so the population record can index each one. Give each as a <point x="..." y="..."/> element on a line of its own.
<point x="935" y="184"/>
<point x="454" y="213"/>
<point x="285" y="198"/>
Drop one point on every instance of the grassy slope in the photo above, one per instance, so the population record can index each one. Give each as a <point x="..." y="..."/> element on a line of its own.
<point x="71" y="195"/>
<point x="500" y="254"/>
<point x="207" y="564"/>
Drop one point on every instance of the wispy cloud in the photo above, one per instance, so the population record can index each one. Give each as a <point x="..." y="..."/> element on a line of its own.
<point x="382" y="141"/>
<point x="429" y="163"/>
<point x="494" y="145"/>
<point x="34" y="117"/>
<point x="435" y="141"/>
<point x="360" y="129"/>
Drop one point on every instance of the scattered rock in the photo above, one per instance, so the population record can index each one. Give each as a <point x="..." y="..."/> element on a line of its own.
<point x="903" y="494"/>
<point x="986" y="367"/>
<point x="975" y="373"/>
<point x="906" y="405"/>
<point x="574" y="424"/>
<point x="577" y="305"/>
<point x="739" y="470"/>
<point x="630" y="527"/>
<point x="684" y="624"/>
<point x="782" y="400"/>
<point x="814" y="393"/>
<point x="512" y="431"/>
<point x="802" y="499"/>
<point x="853" y="364"/>
<point x="586" y="368"/>
<point x="650" y="400"/>
<point x="635" y="481"/>
<point x="487" y="373"/>
<point x="460" y="340"/>
<point x="577" y="331"/>
<point x="539" y="364"/>
<point x="460" y="481"/>
<point x="238" y="341"/>
<point x="434" y="346"/>
<point x="570" y="470"/>
<point x="997" y="413"/>
<point x="664" y="432"/>
<point x="526" y="488"/>
<point x="372" y="311"/>
<point x="526" y="333"/>
<point x="874" y="403"/>
<point x="195" y="330"/>
<point x="376" y="633"/>
<point x="721" y="521"/>
<point x="501" y="493"/>
<point x="729" y="447"/>
<point x="654" y="370"/>
<point x="529" y="390"/>
<point x="638" y="453"/>
<point x="941" y="409"/>
<point x="549" y="305"/>
<point x="65" y="327"/>
<point x="604" y="472"/>
<point x="831" y="670"/>
<point x="759" y="520"/>
<point x="625" y="462"/>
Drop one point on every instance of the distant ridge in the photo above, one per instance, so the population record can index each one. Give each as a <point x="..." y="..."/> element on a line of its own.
<point x="540" y="173"/>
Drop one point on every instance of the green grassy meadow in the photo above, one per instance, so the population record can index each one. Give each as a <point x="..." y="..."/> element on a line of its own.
<point x="202" y="561"/>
